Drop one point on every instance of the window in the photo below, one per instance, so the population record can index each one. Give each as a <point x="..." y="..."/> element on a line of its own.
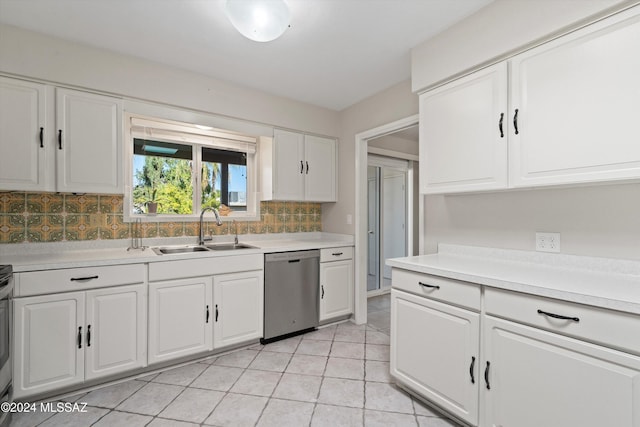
<point x="177" y="169"/>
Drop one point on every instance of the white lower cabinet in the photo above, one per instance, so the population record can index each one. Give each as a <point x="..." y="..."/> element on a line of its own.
<point x="179" y="318"/>
<point x="65" y="339"/>
<point x="238" y="308"/>
<point x="537" y="378"/>
<point x="434" y="351"/>
<point x="336" y="282"/>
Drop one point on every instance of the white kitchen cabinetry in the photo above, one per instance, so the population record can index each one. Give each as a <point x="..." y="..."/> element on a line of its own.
<point x="435" y="345"/>
<point x="89" y="129"/>
<point x="80" y="152"/>
<point x="23" y="153"/>
<point x="336" y="282"/>
<point x="578" y="106"/>
<point x="571" y="116"/>
<point x="463" y="134"/>
<point x="504" y="358"/>
<point x="238" y="308"/>
<point x="65" y="339"/>
<point x="298" y="167"/>
<point x="180" y="321"/>
<point x="538" y="378"/>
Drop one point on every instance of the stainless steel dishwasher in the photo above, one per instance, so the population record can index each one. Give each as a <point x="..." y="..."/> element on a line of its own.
<point x="290" y="293"/>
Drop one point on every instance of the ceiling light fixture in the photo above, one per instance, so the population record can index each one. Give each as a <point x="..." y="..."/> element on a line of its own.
<point x="259" y="20"/>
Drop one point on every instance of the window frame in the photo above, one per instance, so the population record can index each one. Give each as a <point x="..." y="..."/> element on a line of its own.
<point x="197" y="137"/>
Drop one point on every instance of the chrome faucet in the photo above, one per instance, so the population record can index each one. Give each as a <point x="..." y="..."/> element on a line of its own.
<point x="235" y="225"/>
<point x="201" y="238"/>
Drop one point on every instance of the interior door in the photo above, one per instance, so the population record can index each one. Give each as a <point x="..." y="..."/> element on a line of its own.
<point x="394" y="205"/>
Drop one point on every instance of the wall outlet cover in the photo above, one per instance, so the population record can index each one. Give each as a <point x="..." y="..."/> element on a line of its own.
<point x="547" y="242"/>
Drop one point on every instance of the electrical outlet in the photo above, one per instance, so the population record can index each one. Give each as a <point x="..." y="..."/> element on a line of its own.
<point x="548" y="242"/>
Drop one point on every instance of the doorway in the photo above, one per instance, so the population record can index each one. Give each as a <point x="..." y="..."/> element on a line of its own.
<point x="414" y="239"/>
<point x="386" y="218"/>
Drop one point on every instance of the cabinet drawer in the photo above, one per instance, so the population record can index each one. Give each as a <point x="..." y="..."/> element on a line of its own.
<point x="73" y="279"/>
<point x="438" y="288"/>
<point x="181" y="269"/>
<point x="336" y="254"/>
<point x="611" y="328"/>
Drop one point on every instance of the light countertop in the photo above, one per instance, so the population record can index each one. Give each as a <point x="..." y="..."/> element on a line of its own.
<point x="35" y="257"/>
<point x="600" y="282"/>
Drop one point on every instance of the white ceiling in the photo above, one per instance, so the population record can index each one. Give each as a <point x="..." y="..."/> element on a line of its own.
<point x="336" y="53"/>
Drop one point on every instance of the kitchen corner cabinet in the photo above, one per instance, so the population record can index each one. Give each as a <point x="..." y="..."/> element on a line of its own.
<point x="298" y="167"/>
<point x="571" y="116"/>
<point x="65" y="339"/>
<point x="56" y="139"/>
<point x="336" y="283"/>
<point x="463" y="134"/>
<point x="180" y="322"/>
<point x="435" y="349"/>
<point x="238" y="308"/>
<point x="23" y="154"/>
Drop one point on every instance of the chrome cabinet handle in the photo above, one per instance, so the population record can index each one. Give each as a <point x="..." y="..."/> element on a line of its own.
<point x="558" y="316"/>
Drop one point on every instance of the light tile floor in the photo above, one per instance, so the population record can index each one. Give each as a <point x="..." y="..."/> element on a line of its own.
<point x="336" y="376"/>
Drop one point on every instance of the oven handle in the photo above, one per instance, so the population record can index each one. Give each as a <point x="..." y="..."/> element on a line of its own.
<point x="6" y="290"/>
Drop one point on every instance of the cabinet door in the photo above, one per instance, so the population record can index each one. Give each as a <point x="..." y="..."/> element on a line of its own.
<point x="116" y="326"/>
<point x="434" y="351"/>
<point x="238" y="308"/>
<point x="578" y="106"/>
<point x="288" y="165"/>
<point x="24" y="136"/>
<point x="539" y="378"/>
<point x="320" y="169"/>
<point x="463" y="134"/>
<point x="179" y="318"/>
<point x="88" y="142"/>
<point x="336" y="289"/>
<point x="49" y="343"/>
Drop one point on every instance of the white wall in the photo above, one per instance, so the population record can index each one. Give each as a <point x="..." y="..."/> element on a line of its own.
<point x="601" y="220"/>
<point x="497" y="30"/>
<point x="392" y="142"/>
<point x="389" y="105"/>
<point x="34" y="55"/>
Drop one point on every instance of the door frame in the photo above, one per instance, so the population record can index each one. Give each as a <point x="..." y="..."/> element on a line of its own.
<point x="361" y="152"/>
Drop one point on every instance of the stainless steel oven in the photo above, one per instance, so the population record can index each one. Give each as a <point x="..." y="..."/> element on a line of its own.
<point x="6" y="292"/>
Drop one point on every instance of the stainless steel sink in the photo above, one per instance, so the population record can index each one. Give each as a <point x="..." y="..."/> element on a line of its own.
<point x="229" y="247"/>
<point x="179" y="250"/>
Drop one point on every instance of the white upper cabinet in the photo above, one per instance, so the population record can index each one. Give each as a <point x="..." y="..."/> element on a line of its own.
<point x="23" y="124"/>
<point x="298" y="167"/>
<point x="573" y="107"/>
<point x="88" y="138"/>
<point x="320" y="169"/>
<point x="463" y="129"/>
<point x="79" y="151"/>
<point x="578" y="101"/>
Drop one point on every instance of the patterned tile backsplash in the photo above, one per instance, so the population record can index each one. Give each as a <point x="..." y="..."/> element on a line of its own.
<point x="55" y="217"/>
